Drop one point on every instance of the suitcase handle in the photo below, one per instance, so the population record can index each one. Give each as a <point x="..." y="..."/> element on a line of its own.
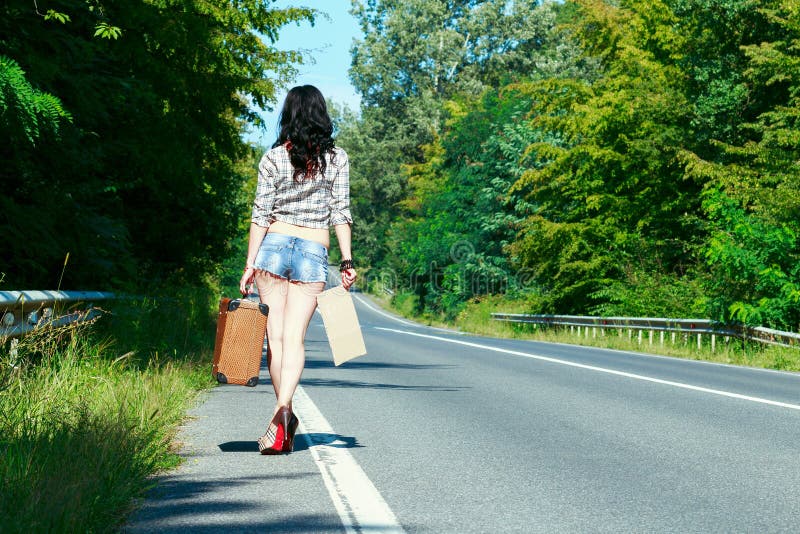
<point x="233" y="305"/>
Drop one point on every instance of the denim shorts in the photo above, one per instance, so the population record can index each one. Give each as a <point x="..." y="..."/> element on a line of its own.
<point x="293" y="258"/>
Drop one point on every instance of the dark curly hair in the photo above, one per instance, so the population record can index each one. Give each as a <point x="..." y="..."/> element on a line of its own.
<point x="307" y="130"/>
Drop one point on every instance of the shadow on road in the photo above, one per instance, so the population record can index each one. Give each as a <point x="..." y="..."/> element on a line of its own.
<point x="239" y="446"/>
<point x="300" y="443"/>
<point x="328" y="364"/>
<point x="206" y="506"/>
<point x="332" y="440"/>
<point x="331" y="383"/>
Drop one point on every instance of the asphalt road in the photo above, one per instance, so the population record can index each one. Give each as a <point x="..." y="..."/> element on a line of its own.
<point x="465" y="434"/>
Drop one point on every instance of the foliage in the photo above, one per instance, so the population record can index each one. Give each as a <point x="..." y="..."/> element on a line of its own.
<point x="752" y="198"/>
<point x="144" y="172"/>
<point x="26" y="113"/>
<point x="415" y="56"/>
<point x="654" y="162"/>
<point x="754" y="265"/>
<point x="608" y="192"/>
<point x="650" y="293"/>
<point x="460" y="217"/>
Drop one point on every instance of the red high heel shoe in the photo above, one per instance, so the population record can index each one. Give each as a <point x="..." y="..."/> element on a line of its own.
<point x="276" y="439"/>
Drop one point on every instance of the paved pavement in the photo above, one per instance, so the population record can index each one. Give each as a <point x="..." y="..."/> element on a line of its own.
<point x="434" y="431"/>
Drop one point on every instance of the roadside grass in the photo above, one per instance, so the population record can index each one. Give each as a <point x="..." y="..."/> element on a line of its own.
<point x="476" y="318"/>
<point x="89" y="412"/>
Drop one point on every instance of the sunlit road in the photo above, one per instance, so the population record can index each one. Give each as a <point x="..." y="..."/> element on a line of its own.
<point x="466" y="434"/>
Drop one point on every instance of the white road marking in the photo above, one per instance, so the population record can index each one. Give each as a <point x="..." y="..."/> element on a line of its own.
<point x="601" y="370"/>
<point x="407" y="323"/>
<point x="381" y="312"/>
<point x="357" y="500"/>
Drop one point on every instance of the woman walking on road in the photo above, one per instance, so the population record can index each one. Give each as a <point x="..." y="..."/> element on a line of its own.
<point x="303" y="189"/>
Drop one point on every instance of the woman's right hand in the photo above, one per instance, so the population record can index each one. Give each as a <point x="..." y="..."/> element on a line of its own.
<point x="247" y="279"/>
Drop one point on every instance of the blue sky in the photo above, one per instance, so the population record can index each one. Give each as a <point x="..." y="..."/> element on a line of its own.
<point x="327" y="47"/>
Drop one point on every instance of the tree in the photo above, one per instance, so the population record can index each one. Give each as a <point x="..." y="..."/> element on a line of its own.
<point x="606" y="184"/>
<point x="414" y="57"/>
<point x="141" y="182"/>
<point x="752" y="193"/>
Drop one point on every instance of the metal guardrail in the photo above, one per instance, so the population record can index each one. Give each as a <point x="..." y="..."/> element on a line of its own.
<point x="24" y="311"/>
<point x="653" y="324"/>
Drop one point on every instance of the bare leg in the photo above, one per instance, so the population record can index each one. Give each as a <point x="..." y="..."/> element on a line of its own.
<point x="272" y="291"/>
<point x="301" y="302"/>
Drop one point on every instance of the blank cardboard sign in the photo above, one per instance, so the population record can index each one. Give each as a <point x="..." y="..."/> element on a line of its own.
<point x="341" y="324"/>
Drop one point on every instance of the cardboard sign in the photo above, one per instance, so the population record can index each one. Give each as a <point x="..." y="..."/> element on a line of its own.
<point x="341" y="324"/>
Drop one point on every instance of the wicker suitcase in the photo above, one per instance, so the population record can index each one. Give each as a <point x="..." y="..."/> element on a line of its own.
<point x="241" y="326"/>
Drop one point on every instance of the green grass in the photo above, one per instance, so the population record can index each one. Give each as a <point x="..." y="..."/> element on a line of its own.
<point x="476" y="318"/>
<point x="88" y="413"/>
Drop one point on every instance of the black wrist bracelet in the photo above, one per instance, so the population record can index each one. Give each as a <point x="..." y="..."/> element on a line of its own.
<point x="346" y="264"/>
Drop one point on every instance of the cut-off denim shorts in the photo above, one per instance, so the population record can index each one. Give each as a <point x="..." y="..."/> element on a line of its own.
<point x="293" y="258"/>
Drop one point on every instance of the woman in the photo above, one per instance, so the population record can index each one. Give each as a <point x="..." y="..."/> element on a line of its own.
<point x="303" y="189"/>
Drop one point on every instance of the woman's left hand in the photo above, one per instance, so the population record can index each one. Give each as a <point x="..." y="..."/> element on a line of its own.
<point x="247" y="279"/>
<point x="348" y="278"/>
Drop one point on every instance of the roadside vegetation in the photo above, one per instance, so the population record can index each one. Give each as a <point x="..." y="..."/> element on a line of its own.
<point x="90" y="411"/>
<point x="476" y="318"/>
<point x="633" y="158"/>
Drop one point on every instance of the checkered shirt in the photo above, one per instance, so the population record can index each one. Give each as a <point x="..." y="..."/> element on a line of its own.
<point x="314" y="203"/>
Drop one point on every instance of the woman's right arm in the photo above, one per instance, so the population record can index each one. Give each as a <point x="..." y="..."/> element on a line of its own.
<point x="257" y="234"/>
<point x="261" y="218"/>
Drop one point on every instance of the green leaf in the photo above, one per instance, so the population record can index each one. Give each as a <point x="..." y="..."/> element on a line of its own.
<point x="107" y="31"/>
<point x="51" y="14"/>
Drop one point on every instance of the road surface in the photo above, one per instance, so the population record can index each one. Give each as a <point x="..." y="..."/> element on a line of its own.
<point x="435" y="431"/>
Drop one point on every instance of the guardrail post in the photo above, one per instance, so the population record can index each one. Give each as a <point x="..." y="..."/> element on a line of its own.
<point x="699" y="341"/>
<point x="713" y="342"/>
<point x="661" y="336"/>
<point x="650" y="335"/>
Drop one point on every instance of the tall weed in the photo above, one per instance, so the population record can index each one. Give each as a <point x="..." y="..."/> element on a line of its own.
<point x="89" y="412"/>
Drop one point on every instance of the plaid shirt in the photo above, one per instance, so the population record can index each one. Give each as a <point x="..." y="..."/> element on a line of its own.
<point x="314" y="203"/>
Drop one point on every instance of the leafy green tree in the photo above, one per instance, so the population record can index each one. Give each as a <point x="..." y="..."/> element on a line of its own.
<point x="436" y="48"/>
<point x="141" y="184"/>
<point x="607" y="186"/>
<point x="752" y="197"/>
<point x="414" y="57"/>
<point x="451" y="245"/>
<point x="754" y="266"/>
